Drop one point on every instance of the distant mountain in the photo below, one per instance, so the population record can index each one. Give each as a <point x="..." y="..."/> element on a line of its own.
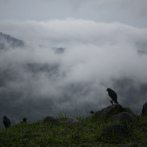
<point x="6" y="40"/>
<point x="142" y="52"/>
<point x="59" y="50"/>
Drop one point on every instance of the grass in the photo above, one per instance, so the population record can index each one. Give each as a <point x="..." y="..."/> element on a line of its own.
<point x="87" y="134"/>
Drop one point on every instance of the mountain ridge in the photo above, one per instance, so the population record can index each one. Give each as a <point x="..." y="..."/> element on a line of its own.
<point x="13" y="42"/>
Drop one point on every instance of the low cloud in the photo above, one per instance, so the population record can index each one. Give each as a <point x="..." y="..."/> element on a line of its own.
<point x="39" y="80"/>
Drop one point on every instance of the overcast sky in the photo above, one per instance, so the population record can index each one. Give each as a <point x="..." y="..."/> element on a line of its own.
<point x="74" y="50"/>
<point x="130" y="12"/>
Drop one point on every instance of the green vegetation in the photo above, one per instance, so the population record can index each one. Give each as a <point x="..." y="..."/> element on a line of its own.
<point x="87" y="134"/>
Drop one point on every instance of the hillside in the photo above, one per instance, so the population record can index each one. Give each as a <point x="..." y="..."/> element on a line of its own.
<point x="6" y="40"/>
<point x="84" y="132"/>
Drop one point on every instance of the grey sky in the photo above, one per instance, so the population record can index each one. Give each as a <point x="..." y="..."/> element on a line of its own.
<point x="131" y="12"/>
<point x="73" y="51"/>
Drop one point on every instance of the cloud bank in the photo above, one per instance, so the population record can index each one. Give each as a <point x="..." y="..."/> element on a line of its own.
<point x="67" y="65"/>
<point x="130" y="12"/>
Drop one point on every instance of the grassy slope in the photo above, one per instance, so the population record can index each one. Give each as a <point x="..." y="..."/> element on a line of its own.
<point x="87" y="134"/>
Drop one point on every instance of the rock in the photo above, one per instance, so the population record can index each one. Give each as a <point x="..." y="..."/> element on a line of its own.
<point x="124" y="117"/>
<point x="117" y="129"/>
<point x="130" y="145"/>
<point x="72" y="121"/>
<point x="129" y="111"/>
<point x="110" y="110"/>
<point x="50" y="119"/>
<point x="59" y="119"/>
<point x="144" y="110"/>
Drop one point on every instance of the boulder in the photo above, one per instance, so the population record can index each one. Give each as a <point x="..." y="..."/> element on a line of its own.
<point x="50" y="119"/>
<point x="124" y="117"/>
<point x="72" y="121"/>
<point x="109" y="111"/>
<point x="117" y="129"/>
<point x="129" y="111"/>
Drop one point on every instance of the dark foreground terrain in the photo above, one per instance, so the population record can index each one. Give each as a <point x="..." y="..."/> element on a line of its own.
<point x="95" y="130"/>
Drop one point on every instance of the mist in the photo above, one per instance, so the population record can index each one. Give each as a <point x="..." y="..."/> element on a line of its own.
<point x="65" y="66"/>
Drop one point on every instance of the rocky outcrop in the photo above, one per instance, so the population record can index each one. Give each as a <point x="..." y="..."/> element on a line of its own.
<point x="129" y="111"/>
<point x="72" y="121"/>
<point x="13" y="42"/>
<point x="116" y="112"/>
<point x="124" y="117"/>
<point x="109" y="111"/>
<point x="117" y="129"/>
<point x="50" y="119"/>
<point x="69" y="120"/>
